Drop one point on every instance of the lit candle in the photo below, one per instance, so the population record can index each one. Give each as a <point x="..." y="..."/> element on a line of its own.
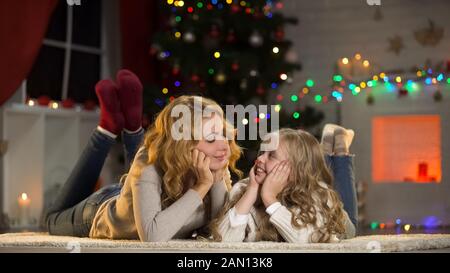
<point x="24" y="209"/>
<point x="423" y="171"/>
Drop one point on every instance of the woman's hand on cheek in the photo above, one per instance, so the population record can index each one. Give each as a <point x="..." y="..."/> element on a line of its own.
<point x="275" y="182"/>
<point x="203" y="174"/>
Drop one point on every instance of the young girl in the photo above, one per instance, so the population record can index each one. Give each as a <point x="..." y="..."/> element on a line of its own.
<point x="174" y="187"/>
<point x="288" y="195"/>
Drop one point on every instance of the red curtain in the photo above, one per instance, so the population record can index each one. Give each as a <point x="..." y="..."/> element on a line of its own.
<point x="23" y="24"/>
<point x="138" y="22"/>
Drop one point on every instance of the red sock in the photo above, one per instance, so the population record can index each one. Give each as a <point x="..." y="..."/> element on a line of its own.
<point x="111" y="117"/>
<point x="130" y="95"/>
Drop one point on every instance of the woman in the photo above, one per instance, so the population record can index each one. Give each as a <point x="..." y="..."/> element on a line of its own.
<point x="174" y="187"/>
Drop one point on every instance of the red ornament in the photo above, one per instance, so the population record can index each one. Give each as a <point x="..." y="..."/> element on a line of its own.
<point x="175" y="70"/>
<point x="235" y="8"/>
<point x="231" y="37"/>
<point x="90" y="105"/>
<point x="43" y="100"/>
<point x="279" y="97"/>
<point x="279" y="35"/>
<point x="260" y="90"/>
<point x="235" y="66"/>
<point x="448" y="66"/>
<point x="209" y="6"/>
<point x="68" y="103"/>
<point x="195" y="78"/>
<point x="214" y="33"/>
<point x="257" y="14"/>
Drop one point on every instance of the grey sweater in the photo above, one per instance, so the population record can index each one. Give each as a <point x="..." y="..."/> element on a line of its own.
<point x="137" y="213"/>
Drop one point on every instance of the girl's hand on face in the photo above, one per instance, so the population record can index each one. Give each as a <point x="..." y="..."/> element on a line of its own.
<point x="275" y="182"/>
<point x="252" y="177"/>
<point x="201" y="168"/>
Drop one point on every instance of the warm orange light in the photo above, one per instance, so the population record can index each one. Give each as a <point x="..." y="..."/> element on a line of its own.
<point x="406" y="149"/>
<point x="24" y="196"/>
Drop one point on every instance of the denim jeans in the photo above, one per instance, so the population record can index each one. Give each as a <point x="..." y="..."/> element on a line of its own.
<point x="74" y="209"/>
<point x="344" y="183"/>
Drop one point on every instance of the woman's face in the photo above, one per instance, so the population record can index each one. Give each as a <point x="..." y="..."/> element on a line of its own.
<point x="213" y="143"/>
<point x="267" y="160"/>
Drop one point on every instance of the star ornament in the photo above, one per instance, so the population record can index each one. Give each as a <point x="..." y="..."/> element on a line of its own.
<point x="396" y="44"/>
<point x="429" y="36"/>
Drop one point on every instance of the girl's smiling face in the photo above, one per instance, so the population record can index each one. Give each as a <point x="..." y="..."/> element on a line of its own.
<point x="267" y="160"/>
<point x="213" y="143"/>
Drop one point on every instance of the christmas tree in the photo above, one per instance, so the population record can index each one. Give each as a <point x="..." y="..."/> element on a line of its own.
<point x="230" y="51"/>
<point x="234" y="52"/>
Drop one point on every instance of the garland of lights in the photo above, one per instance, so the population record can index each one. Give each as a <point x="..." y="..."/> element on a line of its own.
<point x="391" y="81"/>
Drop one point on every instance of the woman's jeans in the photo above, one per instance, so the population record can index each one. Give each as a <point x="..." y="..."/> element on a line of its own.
<point x="74" y="209"/>
<point x="344" y="183"/>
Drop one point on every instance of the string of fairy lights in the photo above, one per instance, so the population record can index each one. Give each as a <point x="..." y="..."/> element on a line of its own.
<point x="342" y="86"/>
<point x="391" y="81"/>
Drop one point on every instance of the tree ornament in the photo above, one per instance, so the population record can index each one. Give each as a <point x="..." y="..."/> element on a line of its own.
<point x="260" y="90"/>
<point x="195" y="78"/>
<point x="256" y="40"/>
<point x="279" y="34"/>
<point x="231" y="37"/>
<point x="235" y="9"/>
<point x="214" y="32"/>
<point x="235" y="66"/>
<point x="243" y="84"/>
<point x="221" y="78"/>
<point x="253" y="73"/>
<point x="189" y="37"/>
<point x="176" y="69"/>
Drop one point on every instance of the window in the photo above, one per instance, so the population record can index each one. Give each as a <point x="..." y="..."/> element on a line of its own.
<point x="406" y="149"/>
<point x="69" y="62"/>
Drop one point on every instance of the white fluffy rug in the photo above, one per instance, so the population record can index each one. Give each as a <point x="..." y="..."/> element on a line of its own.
<point x="41" y="242"/>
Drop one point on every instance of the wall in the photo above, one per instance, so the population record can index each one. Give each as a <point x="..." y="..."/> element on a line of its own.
<point x="330" y="30"/>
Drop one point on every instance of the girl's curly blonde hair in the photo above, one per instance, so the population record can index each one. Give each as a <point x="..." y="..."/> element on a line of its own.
<point x="303" y="196"/>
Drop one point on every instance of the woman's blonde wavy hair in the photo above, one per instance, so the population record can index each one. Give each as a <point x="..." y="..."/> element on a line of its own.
<point x="303" y="196"/>
<point x="173" y="157"/>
